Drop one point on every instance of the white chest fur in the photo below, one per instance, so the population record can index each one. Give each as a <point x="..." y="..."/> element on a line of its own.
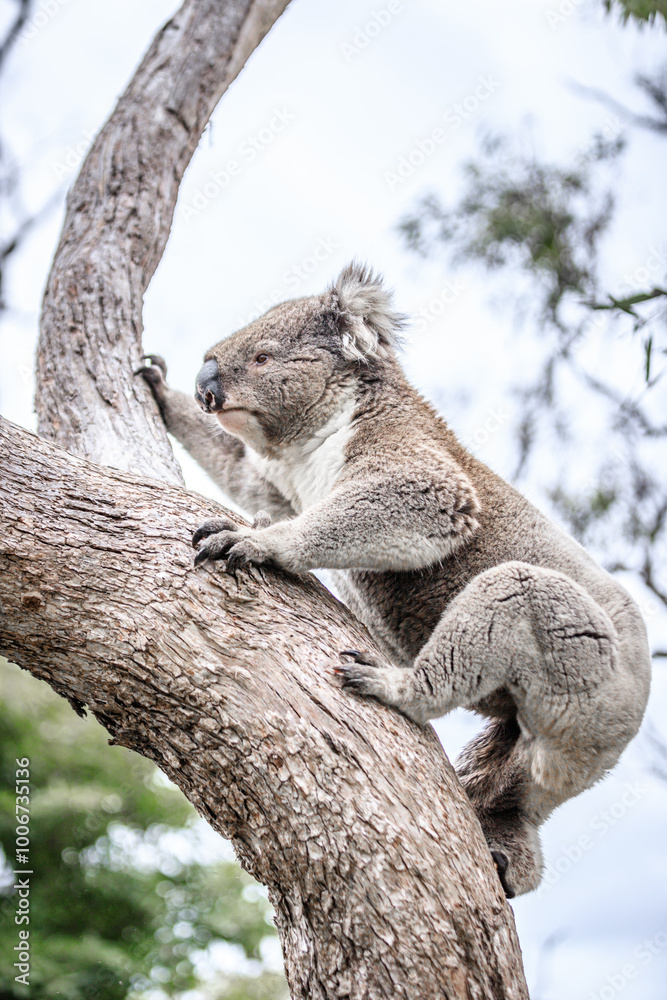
<point x="306" y="471"/>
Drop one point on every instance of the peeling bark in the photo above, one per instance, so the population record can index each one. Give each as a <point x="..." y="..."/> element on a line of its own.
<point x="350" y="814"/>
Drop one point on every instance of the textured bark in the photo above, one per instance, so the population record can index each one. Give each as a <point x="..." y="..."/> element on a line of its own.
<point x="119" y="214"/>
<point x="381" y="879"/>
<point x="351" y="815"/>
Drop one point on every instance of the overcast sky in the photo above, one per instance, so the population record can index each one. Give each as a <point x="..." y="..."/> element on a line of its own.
<point x="315" y="153"/>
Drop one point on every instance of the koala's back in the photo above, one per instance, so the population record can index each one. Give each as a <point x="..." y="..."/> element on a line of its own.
<point x="401" y="609"/>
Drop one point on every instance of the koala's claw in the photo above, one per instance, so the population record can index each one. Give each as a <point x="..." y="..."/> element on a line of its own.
<point x="155" y="373"/>
<point x="217" y="545"/>
<point x="351" y="677"/>
<point x="201" y="557"/>
<point x="501" y="862"/>
<point x="373" y="676"/>
<point x="212" y="528"/>
<point x="241" y="554"/>
<point x="157" y="361"/>
<point x="366" y="658"/>
<point x="222" y="540"/>
<point x="361" y="674"/>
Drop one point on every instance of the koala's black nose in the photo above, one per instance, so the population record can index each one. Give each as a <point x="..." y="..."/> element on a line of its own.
<point x="208" y="390"/>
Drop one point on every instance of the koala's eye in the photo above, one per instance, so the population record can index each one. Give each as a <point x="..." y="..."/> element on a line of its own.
<point x="261" y="359"/>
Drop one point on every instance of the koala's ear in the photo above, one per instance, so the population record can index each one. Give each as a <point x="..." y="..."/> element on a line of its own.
<point x="370" y="327"/>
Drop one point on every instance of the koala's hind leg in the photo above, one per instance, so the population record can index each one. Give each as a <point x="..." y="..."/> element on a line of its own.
<point x="540" y="636"/>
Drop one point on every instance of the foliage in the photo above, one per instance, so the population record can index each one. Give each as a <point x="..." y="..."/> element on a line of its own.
<point x="129" y="896"/>
<point x="641" y="11"/>
<point x="517" y="212"/>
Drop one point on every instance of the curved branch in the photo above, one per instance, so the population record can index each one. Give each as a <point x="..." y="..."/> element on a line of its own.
<point x="379" y="873"/>
<point x="118" y="218"/>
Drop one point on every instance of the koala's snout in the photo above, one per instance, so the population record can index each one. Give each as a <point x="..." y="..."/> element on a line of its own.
<point x="208" y="389"/>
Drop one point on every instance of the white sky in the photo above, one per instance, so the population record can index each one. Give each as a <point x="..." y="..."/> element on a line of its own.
<point x="321" y="181"/>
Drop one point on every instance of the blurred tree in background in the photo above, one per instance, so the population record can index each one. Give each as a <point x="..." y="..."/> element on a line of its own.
<point x="541" y="228"/>
<point x="16" y="221"/>
<point x="132" y="896"/>
<point x="639" y="10"/>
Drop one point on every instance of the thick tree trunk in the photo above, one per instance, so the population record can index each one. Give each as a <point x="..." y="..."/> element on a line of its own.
<point x="351" y="815"/>
<point x="381" y="879"/>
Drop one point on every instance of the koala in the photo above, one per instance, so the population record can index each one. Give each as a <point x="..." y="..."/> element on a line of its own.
<point x="474" y="597"/>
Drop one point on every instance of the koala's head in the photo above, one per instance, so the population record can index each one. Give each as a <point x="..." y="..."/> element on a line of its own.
<point x="280" y="379"/>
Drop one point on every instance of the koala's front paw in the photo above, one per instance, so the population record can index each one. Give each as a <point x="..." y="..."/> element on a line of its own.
<point x="155" y="375"/>
<point x="226" y="545"/>
<point x="213" y="527"/>
<point x="222" y="538"/>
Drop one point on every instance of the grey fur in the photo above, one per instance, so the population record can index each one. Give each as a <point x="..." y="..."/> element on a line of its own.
<point x="475" y="598"/>
<point x="370" y="324"/>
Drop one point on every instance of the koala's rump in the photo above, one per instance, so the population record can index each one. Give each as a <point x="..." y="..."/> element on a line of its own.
<point x="401" y="609"/>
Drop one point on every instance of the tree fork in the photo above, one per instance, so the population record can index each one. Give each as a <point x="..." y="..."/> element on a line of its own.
<point x="350" y="814"/>
<point x="117" y="223"/>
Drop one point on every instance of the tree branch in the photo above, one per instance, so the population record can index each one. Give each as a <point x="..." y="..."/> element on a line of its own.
<point x="118" y="218"/>
<point x="351" y="815"/>
<point x="626" y="304"/>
